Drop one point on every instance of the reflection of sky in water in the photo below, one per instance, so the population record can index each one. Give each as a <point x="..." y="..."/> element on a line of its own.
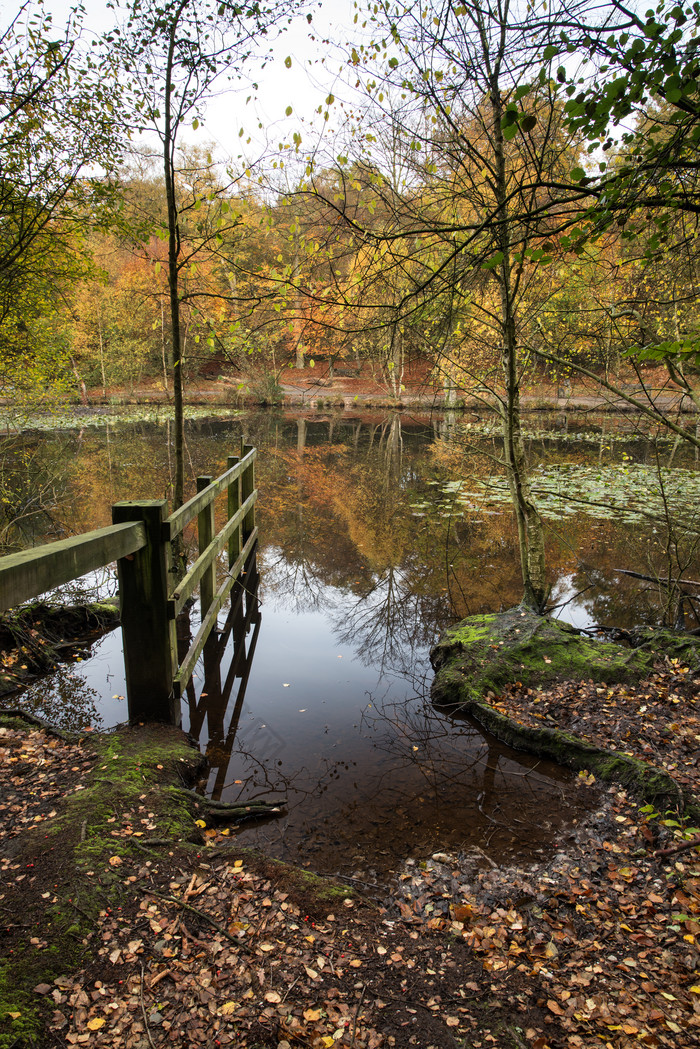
<point x="572" y="605"/>
<point x="84" y="693"/>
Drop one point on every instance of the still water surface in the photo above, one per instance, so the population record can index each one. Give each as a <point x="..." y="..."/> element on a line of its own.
<point x="364" y="558"/>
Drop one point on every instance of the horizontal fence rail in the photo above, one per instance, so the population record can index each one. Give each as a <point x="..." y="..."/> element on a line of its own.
<point x="189" y="582"/>
<point x="140" y="540"/>
<point x="189" y="510"/>
<point x="25" y="575"/>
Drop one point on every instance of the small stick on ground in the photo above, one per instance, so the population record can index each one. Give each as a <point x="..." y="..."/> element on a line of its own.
<point x="188" y="891"/>
<point x="200" y="914"/>
<point x="290" y="988"/>
<point x="143" y="1010"/>
<point x="357" y="1013"/>
<point x="161" y="976"/>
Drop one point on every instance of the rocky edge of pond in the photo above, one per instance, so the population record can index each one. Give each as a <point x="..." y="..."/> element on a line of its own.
<point x="129" y="918"/>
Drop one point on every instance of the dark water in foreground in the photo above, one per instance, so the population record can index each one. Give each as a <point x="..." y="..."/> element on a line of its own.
<point x="326" y="707"/>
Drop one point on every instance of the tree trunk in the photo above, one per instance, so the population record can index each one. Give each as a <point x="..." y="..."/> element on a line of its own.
<point x="298" y="323"/>
<point x="173" y="274"/>
<point x="529" y="522"/>
<point x="102" y="356"/>
<point x="162" y="348"/>
<point x="81" y="382"/>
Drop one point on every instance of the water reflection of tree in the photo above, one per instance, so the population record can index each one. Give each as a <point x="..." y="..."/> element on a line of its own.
<point x="64" y="699"/>
<point x="353" y="547"/>
<point x="33" y="490"/>
<point x="456" y="762"/>
<point x="390" y="625"/>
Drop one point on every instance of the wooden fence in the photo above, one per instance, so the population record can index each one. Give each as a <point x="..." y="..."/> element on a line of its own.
<point x="140" y="540"/>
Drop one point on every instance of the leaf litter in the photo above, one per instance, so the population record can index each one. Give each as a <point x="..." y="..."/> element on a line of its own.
<point x="216" y="945"/>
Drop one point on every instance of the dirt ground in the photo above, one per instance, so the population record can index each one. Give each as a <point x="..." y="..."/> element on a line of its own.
<point x="130" y="917"/>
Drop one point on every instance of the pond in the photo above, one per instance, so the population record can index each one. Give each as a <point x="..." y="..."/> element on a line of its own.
<point x="375" y="534"/>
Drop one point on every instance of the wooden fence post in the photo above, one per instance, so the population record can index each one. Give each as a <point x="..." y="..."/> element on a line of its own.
<point x="150" y="644"/>
<point x="205" y="533"/>
<point x="247" y="488"/>
<point x="234" y="501"/>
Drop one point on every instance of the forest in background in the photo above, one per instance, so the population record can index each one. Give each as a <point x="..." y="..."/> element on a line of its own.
<point x="504" y="193"/>
<point x="385" y="245"/>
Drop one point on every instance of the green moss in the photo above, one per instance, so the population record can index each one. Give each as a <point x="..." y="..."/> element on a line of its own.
<point x="683" y="647"/>
<point x="471" y="631"/>
<point x="324" y="891"/>
<point x="491" y="651"/>
<point x="9" y="721"/>
<point x="20" y="1022"/>
<point x="133" y="768"/>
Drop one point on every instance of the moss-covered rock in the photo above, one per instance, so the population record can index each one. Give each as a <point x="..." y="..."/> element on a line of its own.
<point x="137" y="770"/>
<point x="659" y="642"/>
<point x="484" y="653"/>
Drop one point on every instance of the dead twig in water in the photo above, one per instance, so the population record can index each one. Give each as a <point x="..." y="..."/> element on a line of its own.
<point x="673" y="850"/>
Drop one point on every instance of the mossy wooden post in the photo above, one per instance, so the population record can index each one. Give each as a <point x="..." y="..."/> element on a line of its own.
<point x="234" y="501"/>
<point x="150" y="644"/>
<point x="247" y="489"/>
<point x="205" y="534"/>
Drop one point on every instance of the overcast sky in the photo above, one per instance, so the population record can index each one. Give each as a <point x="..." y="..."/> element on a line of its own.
<point x="304" y="86"/>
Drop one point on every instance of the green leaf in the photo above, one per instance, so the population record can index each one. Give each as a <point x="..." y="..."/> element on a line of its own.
<point x="288" y="62"/>
<point x="494" y="261"/>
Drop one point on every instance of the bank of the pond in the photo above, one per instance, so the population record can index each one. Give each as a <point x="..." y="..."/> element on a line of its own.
<point x="599" y="697"/>
<point x="361" y="390"/>
<point x="128" y="923"/>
